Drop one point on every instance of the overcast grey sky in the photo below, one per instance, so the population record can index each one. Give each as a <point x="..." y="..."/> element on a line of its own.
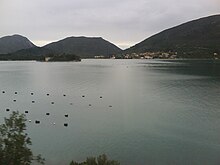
<point x="123" y="22"/>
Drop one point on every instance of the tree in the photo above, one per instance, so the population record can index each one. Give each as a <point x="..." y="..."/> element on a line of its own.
<point x="100" y="160"/>
<point x="14" y="142"/>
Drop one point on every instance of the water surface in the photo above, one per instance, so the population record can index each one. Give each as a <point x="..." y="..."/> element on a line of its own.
<point x="136" y="111"/>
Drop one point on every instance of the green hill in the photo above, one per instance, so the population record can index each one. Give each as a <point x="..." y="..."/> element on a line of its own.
<point x="84" y="47"/>
<point x="9" y="44"/>
<point x="195" y="39"/>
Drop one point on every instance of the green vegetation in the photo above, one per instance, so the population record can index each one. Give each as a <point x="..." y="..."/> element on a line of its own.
<point x="100" y="160"/>
<point x="61" y="57"/>
<point x="14" y="145"/>
<point x="195" y="39"/>
<point x="44" y="57"/>
<point x="9" y="44"/>
<point x="14" y="142"/>
<point x="84" y="47"/>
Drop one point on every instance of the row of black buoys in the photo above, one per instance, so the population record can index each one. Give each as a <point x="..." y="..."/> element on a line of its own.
<point x="49" y="95"/>
<point x="70" y="103"/>
<point x="64" y="95"/>
<point x="38" y="122"/>
<point x="33" y="93"/>
<point x="15" y="92"/>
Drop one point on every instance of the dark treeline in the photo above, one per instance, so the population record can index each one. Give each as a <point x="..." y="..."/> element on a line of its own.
<point x="48" y="57"/>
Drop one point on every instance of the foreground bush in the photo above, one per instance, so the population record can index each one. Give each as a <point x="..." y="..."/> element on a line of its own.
<point x="100" y="160"/>
<point x="14" y="142"/>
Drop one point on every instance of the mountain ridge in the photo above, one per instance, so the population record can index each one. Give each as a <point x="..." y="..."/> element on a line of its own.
<point x="196" y="38"/>
<point x="12" y="43"/>
<point x="86" y="47"/>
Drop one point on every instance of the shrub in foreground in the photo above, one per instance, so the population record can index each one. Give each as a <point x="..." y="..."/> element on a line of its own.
<point x="14" y="142"/>
<point x="100" y="160"/>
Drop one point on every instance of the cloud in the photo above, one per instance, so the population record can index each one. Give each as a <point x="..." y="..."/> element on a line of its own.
<point x="124" y="21"/>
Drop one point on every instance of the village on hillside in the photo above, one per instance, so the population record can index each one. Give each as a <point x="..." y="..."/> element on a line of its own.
<point x="149" y="55"/>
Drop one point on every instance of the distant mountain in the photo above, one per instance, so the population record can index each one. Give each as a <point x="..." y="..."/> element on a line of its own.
<point x="38" y="54"/>
<point x="9" y="44"/>
<point x="195" y="39"/>
<point x="84" y="47"/>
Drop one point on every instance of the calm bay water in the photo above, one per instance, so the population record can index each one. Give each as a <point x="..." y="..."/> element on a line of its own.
<point x="150" y="112"/>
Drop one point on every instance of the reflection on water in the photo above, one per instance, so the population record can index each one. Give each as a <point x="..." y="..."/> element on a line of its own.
<point x="135" y="111"/>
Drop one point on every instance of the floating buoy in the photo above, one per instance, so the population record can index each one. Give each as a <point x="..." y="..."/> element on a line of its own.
<point x="7" y="109"/>
<point x="29" y="121"/>
<point x="64" y="95"/>
<point x="33" y="101"/>
<point x="14" y="100"/>
<point x="90" y="105"/>
<point x="71" y="103"/>
<point x="16" y="93"/>
<point x="48" y="94"/>
<point x="65" y="124"/>
<point x="32" y="93"/>
<point x="37" y="122"/>
<point x="52" y="102"/>
<point x="3" y="91"/>
<point x="47" y="114"/>
<point x="54" y="123"/>
<point x="110" y="106"/>
<point x="83" y="95"/>
<point x="100" y="97"/>
<point x="26" y="112"/>
<point x="66" y="115"/>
